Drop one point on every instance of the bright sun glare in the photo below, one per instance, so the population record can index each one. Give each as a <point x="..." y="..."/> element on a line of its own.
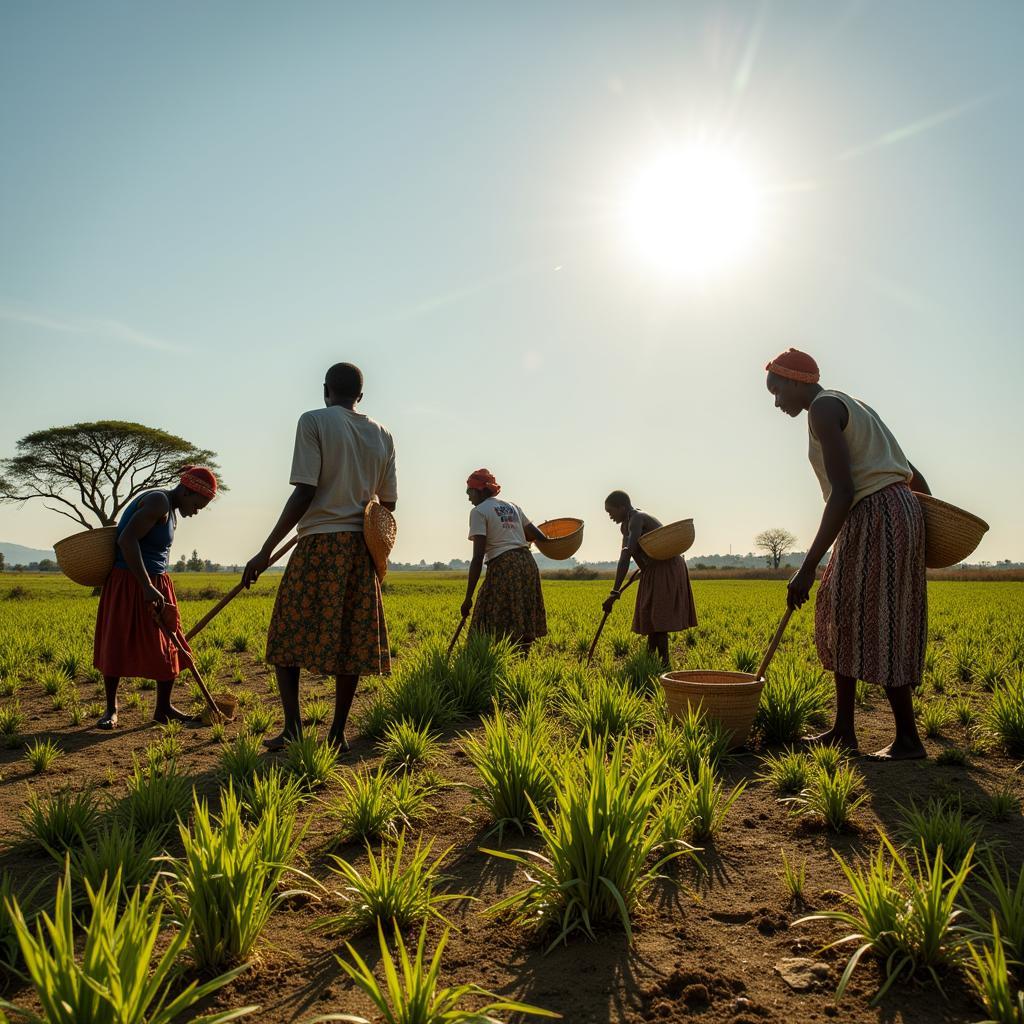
<point x="693" y="213"/>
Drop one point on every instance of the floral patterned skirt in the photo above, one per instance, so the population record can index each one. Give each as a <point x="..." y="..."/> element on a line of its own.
<point x="510" y="602"/>
<point x="328" y="616"/>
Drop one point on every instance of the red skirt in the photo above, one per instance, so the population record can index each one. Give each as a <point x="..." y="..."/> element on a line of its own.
<point x="128" y="642"/>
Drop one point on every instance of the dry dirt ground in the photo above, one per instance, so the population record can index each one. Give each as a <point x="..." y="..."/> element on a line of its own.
<point x="705" y="946"/>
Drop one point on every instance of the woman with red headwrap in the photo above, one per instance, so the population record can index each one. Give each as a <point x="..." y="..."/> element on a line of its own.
<point x="128" y="640"/>
<point x="511" y="603"/>
<point x="870" y="614"/>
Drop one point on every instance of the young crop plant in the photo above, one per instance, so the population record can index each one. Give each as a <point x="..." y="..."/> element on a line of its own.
<point x="53" y="680"/>
<point x="412" y="993"/>
<point x="1004" y="716"/>
<point x="513" y="759"/>
<point x="525" y="682"/>
<point x="408" y="746"/>
<point x="794" y="878"/>
<point x="994" y="983"/>
<point x="1000" y="899"/>
<point x="604" y="709"/>
<point x="825" y="757"/>
<point x="242" y="760"/>
<point x="792" y="698"/>
<point x="394" y="887"/>
<point x="312" y="762"/>
<point x="471" y="680"/>
<point x="115" y="850"/>
<point x="11" y="720"/>
<point x="935" y="718"/>
<point x="119" y="978"/>
<point x="225" y="885"/>
<point x="418" y="692"/>
<point x="316" y="711"/>
<point x="1002" y="805"/>
<point x="953" y="756"/>
<point x="600" y="848"/>
<point x="272" y="789"/>
<point x="705" y="801"/>
<point x="745" y="658"/>
<point x="258" y="719"/>
<point x="641" y="670"/>
<point x="787" y="773"/>
<point x="963" y="710"/>
<point x="831" y="797"/>
<point x="903" y="913"/>
<point x="157" y="796"/>
<point x="689" y="741"/>
<point x="61" y="822"/>
<point x="42" y="755"/>
<point x="940" y="824"/>
<point x="377" y="803"/>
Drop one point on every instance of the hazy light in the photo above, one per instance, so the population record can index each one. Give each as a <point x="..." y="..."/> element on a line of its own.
<point x="693" y="213"/>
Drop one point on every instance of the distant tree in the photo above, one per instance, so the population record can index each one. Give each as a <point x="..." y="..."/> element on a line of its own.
<point x="195" y="563"/>
<point x="181" y="565"/>
<point x="439" y="567"/>
<point x="90" y="471"/>
<point x="47" y="565"/>
<point x="2" y="566"/>
<point x="776" y="542"/>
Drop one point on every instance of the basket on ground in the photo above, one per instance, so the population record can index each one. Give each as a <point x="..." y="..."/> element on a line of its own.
<point x="730" y="698"/>
<point x="227" y="704"/>
<point x="380" y="529"/>
<point x="88" y="557"/>
<point x="668" y="541"/>
<point x="950" y="534"/>
<point x="564" y="538"/>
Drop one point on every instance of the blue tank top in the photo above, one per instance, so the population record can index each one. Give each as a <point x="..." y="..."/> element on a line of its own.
<point x="155" y="545"/>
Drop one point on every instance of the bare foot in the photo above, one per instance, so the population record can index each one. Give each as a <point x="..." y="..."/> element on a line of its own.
<point x="171" y="714"/>
<point x="337" y="739"/>
<point x="281" y="741"/>
<point x="108" y="721"/>
<point x="842" y="740"/>
<point x="900" y="750"/>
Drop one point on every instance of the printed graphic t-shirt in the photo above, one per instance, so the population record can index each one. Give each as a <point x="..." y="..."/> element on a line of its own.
<point x="502" y="523"/>
<point x="348" y="458"/>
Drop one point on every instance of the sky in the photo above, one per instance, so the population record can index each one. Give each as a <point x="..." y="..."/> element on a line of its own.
<point x="202" y="206"/>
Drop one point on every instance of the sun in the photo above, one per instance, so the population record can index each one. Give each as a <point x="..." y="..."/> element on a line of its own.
<point x="693" y="213"/>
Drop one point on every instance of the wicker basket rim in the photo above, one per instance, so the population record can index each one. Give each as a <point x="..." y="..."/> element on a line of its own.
<point x="576" y="527"/>
<point x="945" y="507"/>
<point x="82" y="534"/>
<point x="736" y="680"/>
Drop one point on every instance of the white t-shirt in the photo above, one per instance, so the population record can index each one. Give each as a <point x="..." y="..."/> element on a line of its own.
<point x="349" y="458"/>
<point x="502" y="523"/>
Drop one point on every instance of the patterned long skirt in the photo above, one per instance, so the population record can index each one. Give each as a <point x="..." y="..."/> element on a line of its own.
<point x="128" y="641"/>
<point x="510" y="602"/>
<point x="328" y="616"/>
<point x="664" y="599"/>
<point x="871" y="614"/>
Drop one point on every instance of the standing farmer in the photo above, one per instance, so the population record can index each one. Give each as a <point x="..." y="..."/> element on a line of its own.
<point x="511" y="603"/>
<point x="664" y="600"/>
<point x="128" y="640"/>
<point x="870" y="614"/>
<point x="328" y="616"/>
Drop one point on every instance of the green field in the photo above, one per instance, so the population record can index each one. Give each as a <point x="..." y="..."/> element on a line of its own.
<point x="445" y="755"/>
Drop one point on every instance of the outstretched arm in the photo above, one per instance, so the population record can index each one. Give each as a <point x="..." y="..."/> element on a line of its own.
<point x="294" y="509"/>
<point x="475" y="568"/>
<point x="629" y="546"/>
<point x="533" y="534"/>
<point x="826" y="422"/>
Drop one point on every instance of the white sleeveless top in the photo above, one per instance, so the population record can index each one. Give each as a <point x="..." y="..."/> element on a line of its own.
<point x="876" y="459"/>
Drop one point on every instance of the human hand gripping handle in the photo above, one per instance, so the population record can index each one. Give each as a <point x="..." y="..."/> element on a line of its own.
<point x="799" y="588"/>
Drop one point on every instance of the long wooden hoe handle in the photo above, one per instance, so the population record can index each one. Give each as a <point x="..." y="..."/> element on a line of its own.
<point x="186" y="656"/>
<point x="234" y="592"/>
<point x="770" y="653"/>
<point x="600" y="629"/>
<point x="455" y="639"/>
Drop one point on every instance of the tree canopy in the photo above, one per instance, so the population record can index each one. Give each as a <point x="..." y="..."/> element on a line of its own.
<point x="90" y="471"/>
<point x="776" y="541"/>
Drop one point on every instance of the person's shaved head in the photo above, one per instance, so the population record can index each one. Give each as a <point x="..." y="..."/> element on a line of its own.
<point x="344" y="380"/>
<point x="618" y="499"/>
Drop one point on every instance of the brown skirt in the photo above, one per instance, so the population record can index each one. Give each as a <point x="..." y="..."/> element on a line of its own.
<point x="510" y="602"/>
<point x="664" y="600"/>
<point x="871" y="613"/>
<point x="328" y="615"/>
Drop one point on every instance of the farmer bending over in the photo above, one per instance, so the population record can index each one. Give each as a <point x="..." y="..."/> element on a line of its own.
<point x="129" y="642"/>
<point x="870" y="614"/>
<point x="328" y="616"/>
<point x="664" y="600"/>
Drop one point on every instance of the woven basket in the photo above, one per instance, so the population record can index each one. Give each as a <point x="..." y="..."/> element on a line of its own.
<point x="88" y="557"/>
<point x="566" y="536"/>
<point x="950" y="533"/>
<point x="380" y="529"/>
<point x="668" y="541"/>
<point x="730" y="698"/>
<point x="226" y="705"/>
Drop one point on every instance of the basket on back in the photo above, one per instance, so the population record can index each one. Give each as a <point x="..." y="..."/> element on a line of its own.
<point x="380" y="529"/>
<point x="88" y="557"/>
<point x="564" y="538"/>
<point x="950" y="533"/>
<point x="668" y="541"/>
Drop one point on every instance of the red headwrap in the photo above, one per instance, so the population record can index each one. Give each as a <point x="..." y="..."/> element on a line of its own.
<point x="483" y="480"/>
<point x="795" y="365"/>
<point x="200" y="480"/>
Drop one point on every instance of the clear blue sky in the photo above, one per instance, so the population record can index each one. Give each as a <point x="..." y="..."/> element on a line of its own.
<point x="204" y="205"/>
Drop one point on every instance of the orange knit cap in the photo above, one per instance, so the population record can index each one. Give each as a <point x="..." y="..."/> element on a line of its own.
<point x="200" y="480"/>
<point x="483" y="480"/>
<point x="795" y="365"/>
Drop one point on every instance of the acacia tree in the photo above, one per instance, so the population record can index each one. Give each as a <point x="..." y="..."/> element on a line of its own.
<point x="776" y="542"/>
<point x="92" y="470"/>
